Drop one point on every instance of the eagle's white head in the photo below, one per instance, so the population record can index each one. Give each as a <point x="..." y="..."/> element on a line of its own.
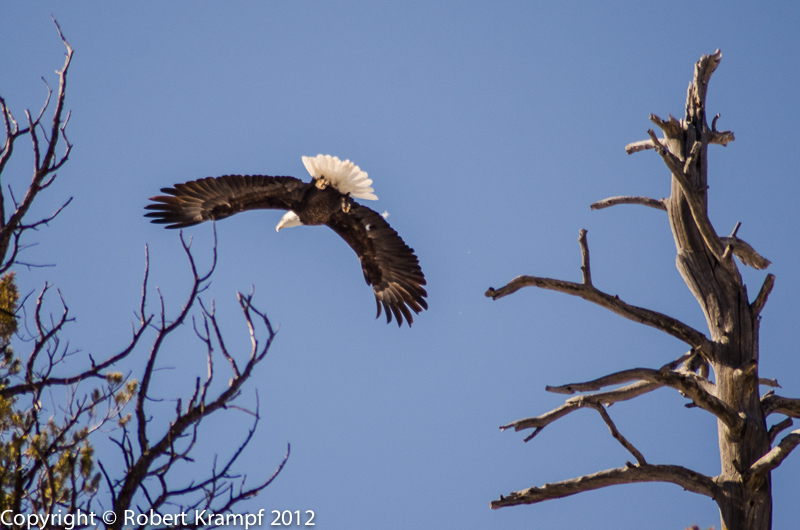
<point x="289" y="220"/>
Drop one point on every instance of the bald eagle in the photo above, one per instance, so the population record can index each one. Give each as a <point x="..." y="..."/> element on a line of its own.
<point x="389" y="265"/>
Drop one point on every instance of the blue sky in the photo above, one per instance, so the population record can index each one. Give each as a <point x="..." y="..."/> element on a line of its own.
<point x="488" y="129"/>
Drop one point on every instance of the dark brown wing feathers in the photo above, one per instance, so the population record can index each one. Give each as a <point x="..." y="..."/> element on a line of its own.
<point x="216" y="198"/>
<point x="389" y="265"/>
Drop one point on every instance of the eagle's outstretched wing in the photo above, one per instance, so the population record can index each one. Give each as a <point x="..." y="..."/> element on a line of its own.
<point x="216" y="198"/>
<point x="389" y="265"/>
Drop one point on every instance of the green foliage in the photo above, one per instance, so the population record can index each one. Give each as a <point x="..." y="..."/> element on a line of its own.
<point x="47" y="465"/>
<point x="46" y="460"/>
<point x="11" y="442"/>
<point x="9" y="296"/>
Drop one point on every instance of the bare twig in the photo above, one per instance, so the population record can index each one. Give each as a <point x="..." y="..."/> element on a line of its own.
<point x="714" y="123"/>
<point x="211" y="316"/>
<point x="729" y="248"/>
<point x="46" y="221"/>
<point x="658" y="204"/>
<point x="540" y="422"/>
<point x="617" y="435"/>
<point x="585" y="267"/>
<point x="769" y="382"/>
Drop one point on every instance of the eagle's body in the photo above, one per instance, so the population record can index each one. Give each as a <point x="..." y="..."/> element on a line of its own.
<point x="389" y="265"/>
<point x="318" y="206"/>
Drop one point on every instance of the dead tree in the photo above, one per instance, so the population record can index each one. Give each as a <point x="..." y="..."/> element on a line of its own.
<point x="55" y="401"/>
<point x="730" y="351"/>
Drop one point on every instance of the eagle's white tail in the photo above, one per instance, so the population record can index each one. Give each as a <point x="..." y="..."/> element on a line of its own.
<point x="344" y="176"/>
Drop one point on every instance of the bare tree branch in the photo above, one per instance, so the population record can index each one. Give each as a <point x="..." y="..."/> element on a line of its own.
<point x="759" y="470"/>
<point x="658" y="204"/>
<point x="672" y="128"/>
<point x="685" y="478"/>
<point x="772" y="403"/>
<point x="588" y="292"/>
<point x="613" y="379"/>
<point x="641" y="145"/>
<point x="612" y="396"/>
<point x="746" y="253"/>
<point x="776" y="429"/>
<point x="657" y="320"/>
<point x="46" y="221"/>
<point x="689" y="384"/>
<point x="720" y="137"/>
<point x="603" y="398"/>
<point x="769" y="382"/>
<point x="761" y="300"/>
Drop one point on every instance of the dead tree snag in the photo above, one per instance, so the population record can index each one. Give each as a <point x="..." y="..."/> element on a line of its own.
<point x="729" y="350"/>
